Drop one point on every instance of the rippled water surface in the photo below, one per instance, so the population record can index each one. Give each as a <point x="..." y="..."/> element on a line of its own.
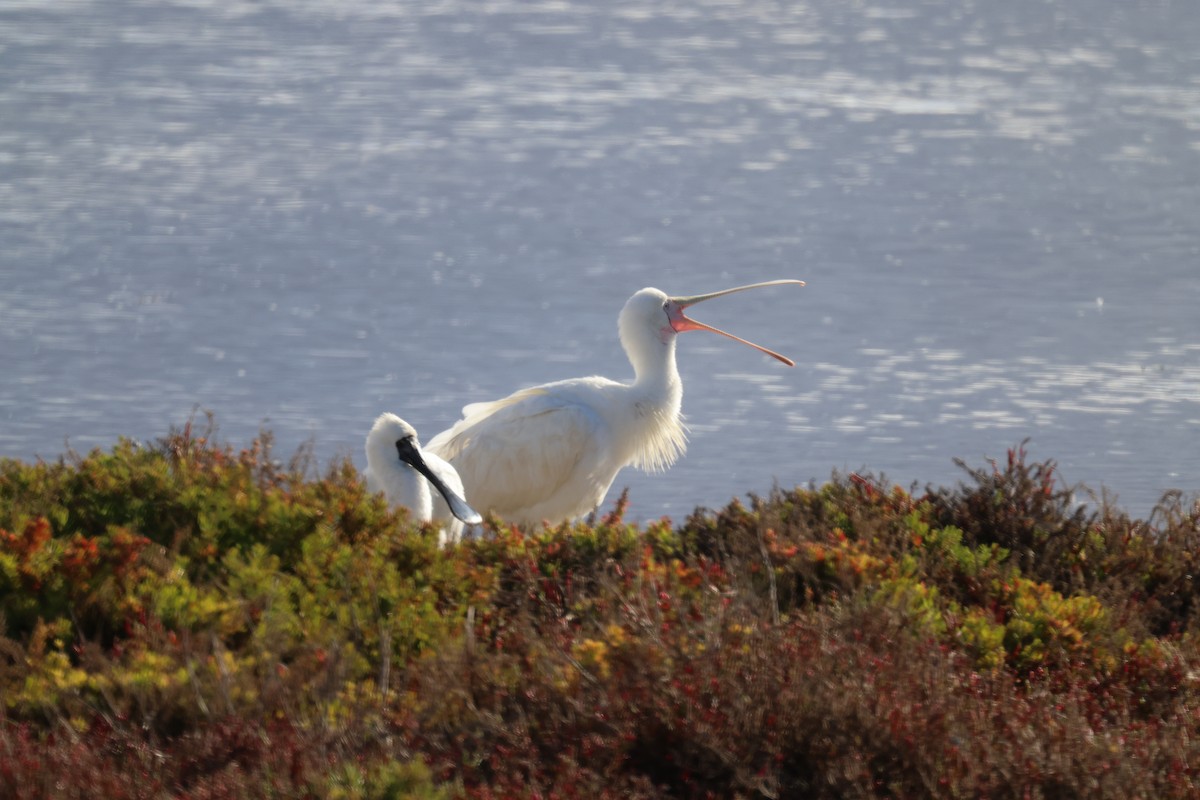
<point x="299" y="214"/>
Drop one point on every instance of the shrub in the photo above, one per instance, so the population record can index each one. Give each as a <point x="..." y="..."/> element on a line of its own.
<point x="186" y="619"/>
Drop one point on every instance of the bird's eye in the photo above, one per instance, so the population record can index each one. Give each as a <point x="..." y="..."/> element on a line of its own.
<point x="666" y="304"/>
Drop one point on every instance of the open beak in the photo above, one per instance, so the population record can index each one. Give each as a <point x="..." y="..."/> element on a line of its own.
<point x="681" y="322"/>
<point x="410" y="454"/>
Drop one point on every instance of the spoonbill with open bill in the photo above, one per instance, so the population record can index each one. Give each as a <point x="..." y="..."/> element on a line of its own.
<point x="398" y="467"/>
<point x="551" y="452"/>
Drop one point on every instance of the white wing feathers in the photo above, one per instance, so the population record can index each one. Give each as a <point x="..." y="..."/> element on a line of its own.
<point x="517" y="454"/>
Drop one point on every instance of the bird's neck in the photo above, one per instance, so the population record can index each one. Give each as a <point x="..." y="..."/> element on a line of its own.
<point x="657" y="436"/>
<point x="400" y="479"/>
<point x="656" y="379"/>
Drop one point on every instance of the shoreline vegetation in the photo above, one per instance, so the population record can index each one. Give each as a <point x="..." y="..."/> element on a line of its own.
<point x="189" y="619"/>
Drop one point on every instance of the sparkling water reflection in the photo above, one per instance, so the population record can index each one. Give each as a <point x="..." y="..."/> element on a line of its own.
<point x="302" y="214"/>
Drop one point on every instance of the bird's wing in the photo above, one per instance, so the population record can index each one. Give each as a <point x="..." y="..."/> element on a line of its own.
<point x="450" y="442"/>
<point x="518" y="452"/>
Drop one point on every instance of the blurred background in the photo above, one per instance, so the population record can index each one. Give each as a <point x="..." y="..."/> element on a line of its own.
<point x="300" y="214"/>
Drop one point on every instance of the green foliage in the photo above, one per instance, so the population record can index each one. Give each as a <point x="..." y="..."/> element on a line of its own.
<point x="388" y="780"/>
<point x="186" y="619"/>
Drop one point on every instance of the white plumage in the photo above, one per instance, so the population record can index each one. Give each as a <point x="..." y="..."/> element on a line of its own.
<point x="551" y="452"/>
<point x="398" y="467"/>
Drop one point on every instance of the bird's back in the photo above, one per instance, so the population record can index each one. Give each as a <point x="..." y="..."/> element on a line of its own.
<point x="540" y="453"/>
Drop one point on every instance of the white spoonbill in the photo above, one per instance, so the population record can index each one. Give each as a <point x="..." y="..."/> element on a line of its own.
<point x="551" y="452"/>
<point x="398" y="467"/>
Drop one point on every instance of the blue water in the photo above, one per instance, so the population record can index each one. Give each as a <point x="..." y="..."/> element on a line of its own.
<point x="299" y="215"/>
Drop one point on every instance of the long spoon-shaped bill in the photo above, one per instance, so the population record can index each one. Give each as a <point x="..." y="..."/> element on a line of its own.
<point x="410" y="455"/>
<point x="681" y="322"/>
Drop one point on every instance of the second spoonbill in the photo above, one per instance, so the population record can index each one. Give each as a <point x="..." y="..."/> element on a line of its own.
<point x="398" y="467"/>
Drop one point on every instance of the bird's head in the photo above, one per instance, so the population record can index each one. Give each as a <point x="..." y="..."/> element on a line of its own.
<point x="651" y="311"/>
<point x="390" y="436"/>
<point x="387" y="434"/>
<point x="644" y="313"/>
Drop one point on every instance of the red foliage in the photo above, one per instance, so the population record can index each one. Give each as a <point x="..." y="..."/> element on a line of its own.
<point x="25" y="546"/>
